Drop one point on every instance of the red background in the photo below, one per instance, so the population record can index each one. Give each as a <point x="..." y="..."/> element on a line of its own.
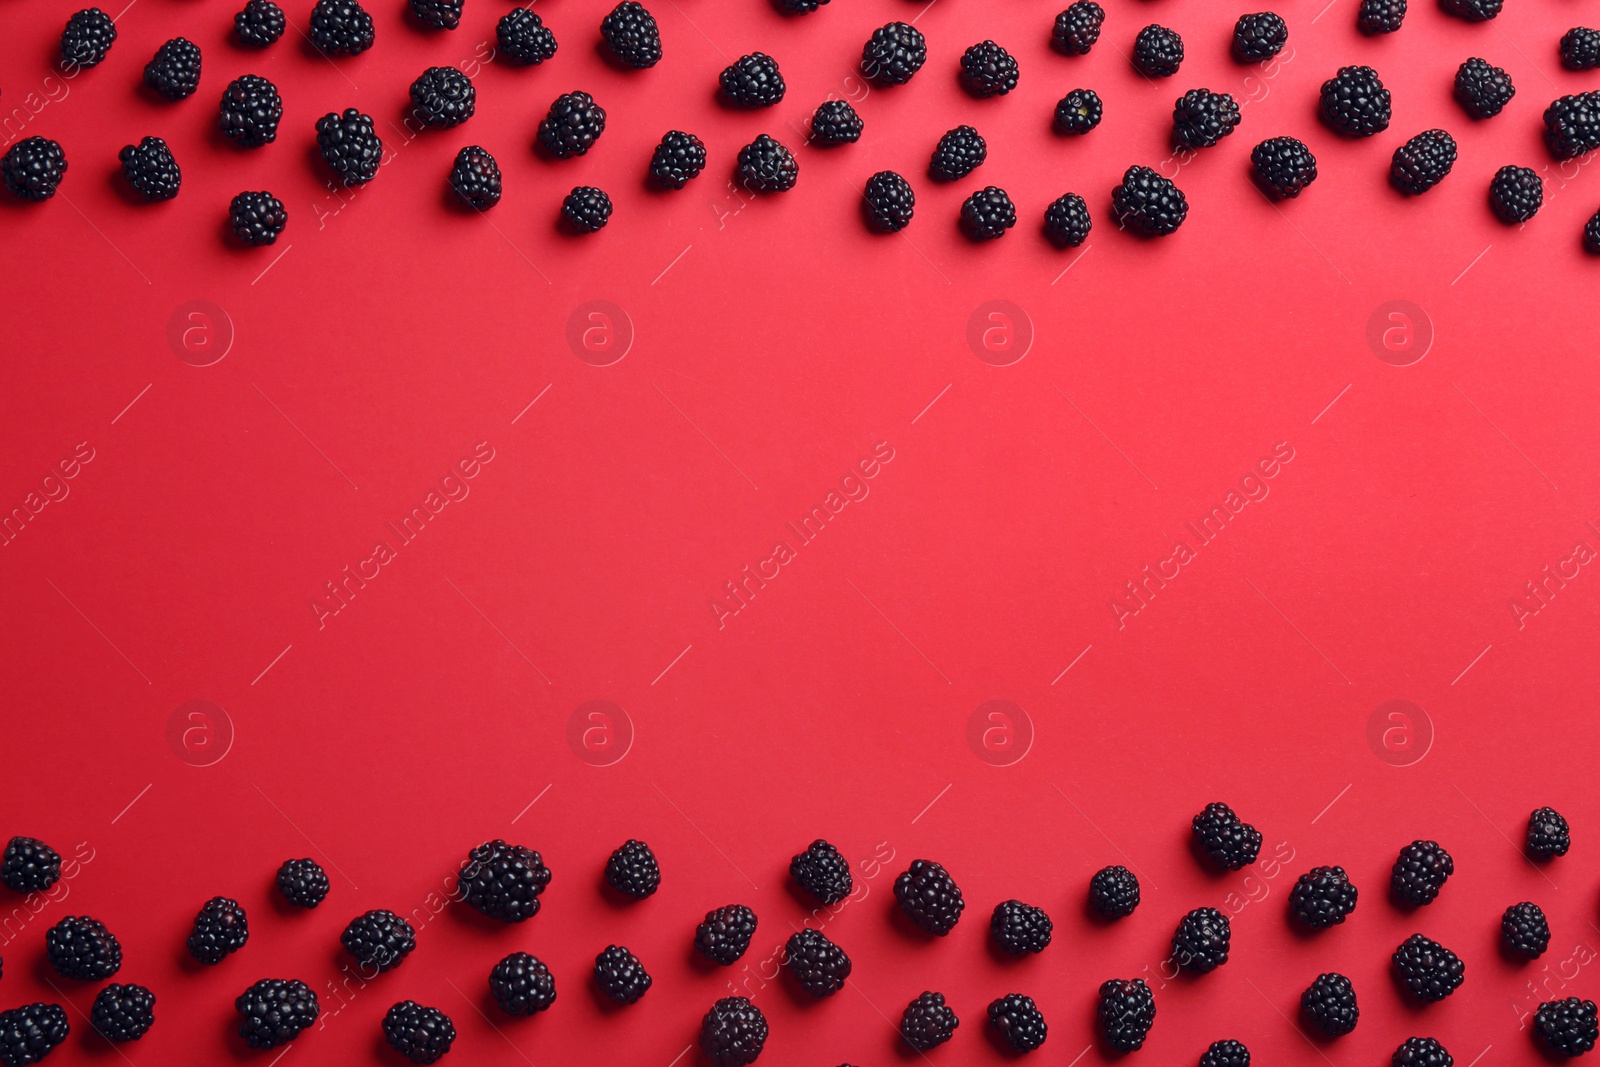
<point x="773" y="345"/>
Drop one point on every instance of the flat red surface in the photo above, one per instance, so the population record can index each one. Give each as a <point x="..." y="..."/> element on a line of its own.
<point x="769" y="346"/>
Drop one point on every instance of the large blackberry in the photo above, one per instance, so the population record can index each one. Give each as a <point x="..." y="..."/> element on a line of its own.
<point x="503" y="881"/>
<point x="1200" y="943"/>
<point x="1567" y="1027"/>
<point x="259" y="24"/>
<point x="1201" y="118"/>
<point x="30" y="1033"/>
<point x="1516" y="194"/>
<point x="1483" y="90"/>
<point x="123" y="1012"/>
<point x="1322" y="897"/>
<point x="677" y="159"/>
<point x="30" y="865"/>
<point x="632" y="870"/>
<point x="620" y="975"/>
<point x="524" y="38"/>
<point x="1591" y="235"/>
<point x="250" y="111"/>
<point x="926" y="892"/>
<point x="988" y="70"/>
<point x="1078" y="27"/>
<point x="475" y="178"/>
<point x="889" y="202"/>
<point x="820" y="870"/>
<point x="632" y="35"/>
<point x="725" y="933"/>
<point x="257" y="218"/>
<point x="586" y="208"/>
<point x="1524" y="930"/>
<point x="928" y="1022"/>
<point x="819" y="965"/>
<point x="571" y="127"/>
<point x="220" y="929"/>
<point x="1078" y="112"/>
<point x="1157" y="52"/>
<point x="835" y="122"/>
<point x="1125" y="1013"/>
<point x="733" y="1032"/>
<point x="1428" y="970"/>
<point x="83" y="949"/>
<point x="1114" y="892"/>
<point x="379" y="939"/>
<point x="302" y="882"/>
<point x="1473" y="10"/>
<point x="1329" y="1005"/>
<point x="438" y="14"/>
<point x="1018" y="1022"/>
<point x="1380" y="16"/>
<point x="350" y="146"/>
<point x="1226" y="1054"/>
<point x="274" y="1011"/>
<point x="1422" y="162"/>
<point x="32" y="169"/>
<point x="766" y="166"/>
<point x="1548" y="834"/>
<point x="1260" y="36"/>
<point x="894" y="53"/>
<point x="752" y="81"/>
<point x="340" y="27"/>
<point x="174" y="71"/>
<point x="1355" y="103"/>
<point x="1580" y="48"/>
<point x="522" y="985"/>
<point x="1153" y="205"/>
<point x="420" y="1034"/>
<point x="1018" y="929"/>
<point x="87" y="37"/>
<point x="1420" y="872"/>
<point x="1421" y="1052"/>
<point x="1572" y="125"/>
<point x="959" y="152"/>
<point x="443" y="97"/>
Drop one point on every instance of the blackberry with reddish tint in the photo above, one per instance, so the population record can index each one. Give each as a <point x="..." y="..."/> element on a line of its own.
<point x="83" y="949"/>
<point x="1420" y="871"/>
<point x="522" y="985"/>
<point x="1259" y="36"/>
<point x="1329" y="1005"/>
<point x="733" y="1032"/>
<point x="220" y="929"/>
<point x="1483" y="90"/>
<point x="302" y="882"/>
<point x="988" y="70"/>
<point x="724" y="934"/>
<point x="250" y="111"/>
<point x="123" y="1012"/>
<point x="443" y="97"/>
<point x="765" y="165"/>
<point x="1078" y="112"/>
<point x="570" y="128"/>
<point x="340" y="27"/>
<point x="350" y="146"/>
<point x="620" y="975"/>
<point x="1355" y="103"/>
<point x="1421" y="1052"/>
<point x="475" y="178"/>
<point x="1580" y="48"/>
<point x="275" y="1011"/>
<point x="257" y="218"/>
<point x="437" y="14"/>
<point x="1152" y="205"/>
<point x="1225" y="1054"/>
<point x="1548" y="834"/>
<point x="524" y="38"/>
<point x="1524" y="931"/>
<point x="1157" y="52"/>
<point x="894" y="53"/>
<point x="1423" y="161"/>
<point x="29" y="865"/>
<point x="959" y="152"/>
<point x="1018" y="1022"/>
<point x="259" y="24"/>
<point x="87" y="38"/>
<point x="174" y="71"/>
<point x="1077" y="28"/>
<point x="1201" y="118"/>
<point x="834" y="123"/>
<point x="927" y="894"/>
<point x="1125" y="1013"/>
<point x="1202" y="940"/>
<point x="1473" y="10"/>
<point x="752" y="81"/>
<point x="586" y="208"/>
<point x="821" y="870"/>
<point x="1114" y="892"/>
<point x="1516" y="194"/>
<point x="1019" y="929"/>
<point x="818" y="965"/>
<point x="1572" y="125"/>
<point x="632" y="870"/>
<point x="379" y="939"/>
<point x="1322" y="897"/>
<point x="630" y="31"/>
<point x="1566" y="1027"/>
<point x="1376" y="17"/>
<point x="679" y="158"/>
<point x="928" y="1022"/>
<point x="889" y="203"/>
<point x="1429" y="971"/>
<point x="419" y="1033"/>
<point x="30" y="1033"/>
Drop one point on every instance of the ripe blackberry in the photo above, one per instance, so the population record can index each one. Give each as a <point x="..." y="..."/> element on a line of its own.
<point x="1018" y="1021"/>
<point x="524" y="38"/>
<point x="1572" y="125"/>
<point x="1428" y="970"/>
<point x="379" y="939"/>
<point x="1125" y="1013"/>
<point x="30" y="865"/>
<point x="420" y="1034"/>
<point x="1329" y="1005"/>
<point x="1078" y="28"/>
<point x="835" y="123"/>
<point x="1591" y="235"/>
<point x="1516" y="194"/>
<point x="123" y="1012"/>
<point x="572" y="125"/>
<point x="988" y="70"/>
<point x="259" y="24"/>
<point x="250" y="111"/>
<point x="928" y="1022"/>
<point x="586" y="208"/>
<point x="1420" y="872"/>
<point x="1580" y="48"/>
<point x="620" y="975"/>
<point x="733" y="1032"/>
<point x="766" y="166"/>
<point x="1114" y="892"/>
<point x="522" y="985"/>
<point x="632" y="870"/>
<point x="724" y="935"/>
<point x="1483" y="90"/>
<point x="350" y="146"/>
<point x="894" y="53"/>
<point x="340" y="27"/>
<point x="1229" y="1054"/>
<point x="274" y="1011"/>
<point x="258" y="219"/>
<point x="1078" y="112"/>
<point x="1355" y="103"/>
<point x="752" y="81"/>
<point x="820" y="870"/>
<point x="82" y="948"/>
<point x="475" y="178"/>
<point x="438" y="14"/>
<point x="801" y="7"/>
<point x="632" y="35"/>
<point x="1548" y="834"/>
<point x="926" y="892"/>
<point x="1153" y="205"/>
<point x="1201" y="941"/>
<point x="87" y="37"/>
<point x="443" y="97"/>
<point x="959" y="152"/>
<point x="1201" y="118"/>
<point x="817" y="964"/>
<point x="503" y="881"/>
<point x="30" y="1033"/>
<point x="1157" y="52"/>
<point x="1567" y="1027"/>
<point x="1380" y="16"/>
<point x="303" y="883"/>
<point x="1322" y="897"/>
<point x="1421" y="1052"/>
<point x="220" y="929"/>
<point x="678" y="158"/>
<point x="1422" y="162"/>
<point x="1473" y="10"/>
<point x="1258" y="37"/>
<point x="1524" y="931"/>
<point x="174" y="71"/>
<point x="889" y="203"/>
<point x="1017" y="928"/>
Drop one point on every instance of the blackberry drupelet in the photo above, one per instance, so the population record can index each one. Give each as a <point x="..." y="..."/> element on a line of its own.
<point x="1200" y="943"/>
<point x="1572" y="125"/>
<point x="522" y="985"/>
<point x="733" y="1032"/>
<point x="257" y="219"/>
<point x="174" y="71"/>
<point x="1380" y="16"/>
<point x="620" y="975"/>
<point x="820" y="870"/>
<point x="1066" y="221"/>
<point x="83" y="949"/>
<point x="220" y="929"/>
<point x="1125" y="1013"/>
<point x="1114" y="892"/>
<point x="959" y="152"/>
<point x="1018" y="1021"/>
<point x="889" y="203"/>
<point x="30" y="865"/>
<point x="1201" y="118"/>
<point x="1429" y="971"/>
<point x="724" y="935"/>
<point x="475" y="178"/>
<point x="1524" y="930"/>
<point x="1078" y="112"/>
<point x="259" y="24"/>
<point x="1420" y="872"/>
<point x="420" y="1034"/>
<point x="1355" y="103"/>
<point x="819" y="965"/>
<point x="1421" y="1052"/>
<point x="274" y="1011"/>
<point x="927" y="894"/>
<point x="677" y="159"/>
<point x="1591" y="235"/>
<point x="1153" y="205"/>
<point x="1019" y="929"/>
<point x="32" y="169"/>
<point x="1548" y="834"/>
<point x="123" y="1012"/>
<point x="1225" y="1054"/>
<point x="1322" y="897"/>
<point x="1423" y="162"/>
<point x="303" y="883"/>
<point x="1157" y="52"/>
<point x="632" y="870"/>
<point x="350" y="146"/>
<point x="586" y="208"/>
<point x="928" y="1022"/>
<point x="379" y="939"/>
<point x="1516" y="194"/>
<point x="766" y="166"/>
<point x="1482" y="89"/>
<point x="988" y="70"/>
<point x="524" y="38"/>
<point x="801" y="7"/>
<point x="30" y="1033"/>
<point x="340" y="27"/>
<point x="752" y="81"/>
<point x="438" y="14"/>
<point x="894" y="53"/>
<point x="570" y="128"/>
<point x="443" y="97"/>
<point x="1077" y="29"/>
<point x="87" y="37"/>
<point x="632" y="35"/>
<point x="834" y="123"/>
<point x="1329" y="1005"/>
<point x="250" y="111"/>
<point x="1580" y="48"/>
<point x="1473" y="10"/>
<point x="1567" y="1027"/>
<point x="1258" y="37"/>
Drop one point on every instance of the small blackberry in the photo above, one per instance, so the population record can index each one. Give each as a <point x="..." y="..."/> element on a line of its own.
<point x="632" y="870"/>
<point x="1572" y="125"/>
<point x="1355" y="103"/>
<point x="835" y="122"/>
<point x="766" y="166"/>
<point x="927" y="894"/>
<point x="1483" y="90"/>
<point x="572" y="125"/>
<point x="83" y="949"/>
<point x="1018" y="1021"/>
<point x="677" y="159"/>
<point x="274" y="1011"/>
<point x="524" y="38"/>
<point x="1429" y="971"/>
<point x="1580" y="48"/>
<point x="1078" y="112"/>
<point x="1524" y="930"/>
<point x="1126" y="1013"/>
<point x="123" y="1012"/>
<point x="379" y="939"/>
<point x="724" y="935"/>
<point x="1420" y="872"/>
<point x="1329" y="1005"/>
<point x="819" y="965"/>
<point x="340" y="27"/>
<point x="1114" y="892"/>
<point x="504" y="881"/>
<point x="476" y="178"/>
<point x="1473" y="10"/>
<point x="928" y="1022"/>
<point x="174" y="71"/>
<point x="1567" y="1027"/>
<point x="889" y="203"/>
<point x="220" y="929"/>
<point x="1516" y="194"/>
<point x="30" y="1033"/>
<point x="1201" y="118"/>
<point x="443" y="97"/>
<point x="258" y="219"/>
<point x="733" y="1032"/>
<point x="894" y="53"/>
<point x="632" y="35"/>
<point x="259" y="24"/>
<point x="1422" y="162"/>
<point x="418" y="1033"/>
<point x="1591" y="235"/>
<point x="87" y="37"/>
<point x="1225" y="1054"/>
<point x="752" y="81"/>
<point x="303" y="882"/>
<point x="1258" y="37"/>
<point x="820" y="870"/>
<point x="250" y="111"/>
<point x="437" y="14"/>
<point x="1078" y="28"/>
<point x="1157" y="52"/>
<point x="1380" y="16"/>
<point x="350" y="146"/>
<point x="1200" y="943"/>
<point x="1322" y="897"/>
<point x="586" y="209"/>
<point x="1019" y="929"/>
<point x="620" y="975"/>
<point x="522" y="985"/>
<point x="988" y="70"/>
<point x="30" y="865"/>
<point x="801" y="7"/>
<point x="1421" y="1052"/>
<point x="1153" y="205"/>
<point x="959" y="152"/>
<point x="1548" y="834"/>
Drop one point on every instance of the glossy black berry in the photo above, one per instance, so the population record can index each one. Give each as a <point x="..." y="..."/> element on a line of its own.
<point x="677" y="159"/>
<point x="250" y="111"/>
<point x="1516" y="194"/>
<point x="1018" y="1022"/>
<point x="821" y="870"/>
<point x="733" y="1032"/>
<point x="928" y="1022"/>
<point x="1201" y="118"/>
<point x="1322" y="897"/>
<point x="1201" y="942"/>
<point x="524" y="38"/>
<point x="1114" y="892"/>
<point x="1355" y="103"/>
<point x="1524" y="931"/>
<point x="1077" y="29"/>
<point x="1428" y="971"/>
<point x="1591" y="235"/>
<point x="1376" y="17"/>
<point x="572" y="125"/>
<point x="1283" y="166"/>
<point x="1152" y="205"/>
<point x="475" y="178"/>
<point x="442" y="97"/>
<point x="834" y="123"/>
<point x="1329" y="1005"/>
<point x="1566" y="1027"/>
<point x="1259" y="36"/>
<point x="632" y="35"/>
<point x="1483" y="90"/>
<point x="620" y="975"/>
<point x="503" y="881"/>
<point x="437" y="14"/>
<point x="1572" y="125"/>
<point x="83" y="949"/>
<point x="724" y="934"/>
<point x="1157" y="52"/>
<point x="925" y="891"/>
<point x="123" y="1012"/>
<point x="888" y="203"/>
<point x="350" y="146"/>
<point x="1125" y="1013"/>
<point x="1078" y="112"/>
<point x="522" y="985"/>
<point x="988" y="70"/>
<point x="1580" y="48"/>
<point x="379" y="940"/>
<point x="1019" y="929"/>
<point x="1473" y="10"/>
<point x="220" y="929"/>
<point x="174" y="71"/>
<point x="632" y="870"/>
<point x="766" y="166"/>
<point x="1423" y="161"/>
<point x="340" y="27"/>
<point x="817" y="964"/>
<point x="87" y="37"/>
<point x="894" y="53"/>
<point x="1548" y="834"/>
<point x="1421" y="1052"/>
<point x="30" y="1033"/>
<point x="1225" y="1054"/>
<point x="1420" y="871"/>
<point x="274" y="1011"/>
<point x="257" y="218"/>
<point x="752" y="81"/>
<point x="302" y="882"/>
<point x="259" y="24"/>
<point x="586" y="208"/>
<point x="420" y="1034"/>
<point x="959" y="152"/>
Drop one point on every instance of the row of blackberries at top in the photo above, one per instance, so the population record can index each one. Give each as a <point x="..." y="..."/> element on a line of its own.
<point x="1354" y="103"/>
<point x="505" y="881"/>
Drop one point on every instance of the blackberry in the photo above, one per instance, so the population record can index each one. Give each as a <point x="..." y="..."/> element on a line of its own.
<point x="1227" y="1054"/>
<point x="1078" y="112"/>
<point x="928" y="1022"/>
<point x="420" y="1034"/>
<point x="620" y="975"/>
<point x="1155" y="206"/>
<point x="752" y="81"/>
<point x="766" y="166"/>
<point x="1591" y="235"/>
<point x="1322" y="897"/>
<point x="926" y="892"/>
<point x="820" y="870"/>
<point x="123" y="1012"/>
<point x="30" y="1033"/>
<point x="220" y="929"/>
<point x="1201" y="118"/>
<point x="1421" y="1052"/>
<point x="1572" y="125"/>
<point x="522" y="985"/>
<point x="258" y="219"/>
<point x="340" y="27"/>
<point x="724" y="935"/>
<point x="1157" y="52"/>
<point x="1420" y="872"/>
<point x="959" y="152"/>
<point x="733" y="1032"/>
<point x="30" y="865"/>
<point x="632" y="35"/>
<point x="817" y="964"/>
<point x="350" y="146"/>
<point x="1329" y="1005"/>
<point x="1380" y="16"/>
<point x="1018" y="1022"/>
<point x="1017" y="928"/>
<point x="586" y="209"/>
<point x="894" y="53"/>
<point x="1580" y="48"/>
<point x="1524" y="931"/>
<point x="443" y="97"/>
<point x="1473" y="10"/>
<point x="1516" y="194"/>
<point x="1201" y="941"/>
<point x="250" y="111"/>
<point x="988" y="70"/>
<point x="524" y="38"/>
<point x="438" y="14"/>
<point x="572" y="126"/>
<point x="303" y="883"/>
<point x="1429" y="971"/>
<point x="174" y="71"/>
<point x="259" y="24"/>
<point x="678" y="158"/>
<point x="1114" y="892"/>
<point x="503" y="881"/>
<point x="801" y="7"/>
<point x="632" y="870"/>
<point x="1422" y="162"/>
<point x="87" y="37"/>
<point x="1567" y="1027"/>
<point x="889" y="202"/>
<point x="82" y="948"/>
<point x="835" y="122"/>
<point x="1548" y="834"/>
<point x="1125" y="1013"/>
<point x="1483" y="90"/>
<point x="274" y="1011"/>
<point x="1355" y="103"/>
<point x="379" y="939"/>
<point x="475" y="178"/>
<point x="1258" y="37"/>
<point x="1078" y="28"/>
